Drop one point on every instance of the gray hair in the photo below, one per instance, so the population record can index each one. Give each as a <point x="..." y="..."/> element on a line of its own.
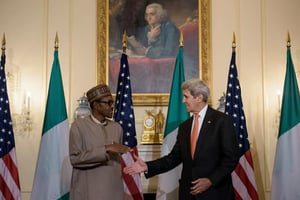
<point x="162" y="13"/>
<point x="196" y="87"/>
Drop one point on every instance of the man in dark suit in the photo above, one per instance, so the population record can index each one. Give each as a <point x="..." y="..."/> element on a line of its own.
<point x="206" y="172"/>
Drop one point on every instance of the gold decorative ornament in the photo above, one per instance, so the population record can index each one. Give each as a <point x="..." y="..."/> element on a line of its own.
<point x="153" y="128"/>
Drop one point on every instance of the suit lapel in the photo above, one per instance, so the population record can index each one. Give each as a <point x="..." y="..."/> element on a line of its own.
<point x="188" y="136"/>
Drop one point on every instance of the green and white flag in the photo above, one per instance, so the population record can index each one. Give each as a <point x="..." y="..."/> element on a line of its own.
<point x="168" y="182"/>
<point x="286" y="171"/>
<point x="53" y="171"/>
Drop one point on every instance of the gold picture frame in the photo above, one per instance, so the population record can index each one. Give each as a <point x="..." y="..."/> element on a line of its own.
<point x="153" y="99"/>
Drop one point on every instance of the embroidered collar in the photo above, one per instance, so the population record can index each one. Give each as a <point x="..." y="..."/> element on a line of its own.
<point x="98" y="122"/>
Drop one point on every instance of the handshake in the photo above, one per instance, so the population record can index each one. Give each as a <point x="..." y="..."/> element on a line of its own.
<point x="136" y="167"/>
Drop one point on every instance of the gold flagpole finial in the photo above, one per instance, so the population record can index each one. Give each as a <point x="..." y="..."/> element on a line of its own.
<point x="56" y="42"/>
<point x="124" y="40"/>
<point x="181" y="39"/>
<point x="3" y="42"/>
<point x="288" y="41"/>
<point x="233" y="41"/>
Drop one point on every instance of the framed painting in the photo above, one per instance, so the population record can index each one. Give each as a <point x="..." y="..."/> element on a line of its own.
<point x="151" y="68"/>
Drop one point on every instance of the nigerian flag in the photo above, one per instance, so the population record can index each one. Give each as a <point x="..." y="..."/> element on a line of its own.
<point x="53" y="171"/>
<point x="168" y="182"/>
<point x="286" y="171"/>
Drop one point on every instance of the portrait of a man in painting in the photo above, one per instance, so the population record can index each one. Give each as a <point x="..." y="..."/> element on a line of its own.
<point x="153" y="29"/>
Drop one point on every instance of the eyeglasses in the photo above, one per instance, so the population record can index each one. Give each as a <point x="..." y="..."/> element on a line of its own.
<point x="110" y="102"/>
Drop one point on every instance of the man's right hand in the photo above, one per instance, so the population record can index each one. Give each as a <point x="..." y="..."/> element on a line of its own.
<point x="153" y="33"/>
<point x="137" y="167"/>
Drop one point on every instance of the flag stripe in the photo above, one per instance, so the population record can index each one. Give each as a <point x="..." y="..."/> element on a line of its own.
<point x="176" y="109"/>
<point x="246" y="183"/>
<point x="131" y="180"/>
<point x="13" y="159"/>
<point x="50" y="167"/>
<point x="290" y="111"/>
<point x="1" y="183"/>
<point x="10" y="164"/>
<point x="286" y="171"/>
<point x="169" y="141"/>
<point x="10" y="175"/>
<point x="247" y="165"/>
<point x="56" y="111"/>
<point x="237" y="196"/>
<point x="5" y="180"/>
<point x="239" y="187"/>
<point x="5" y="190"/>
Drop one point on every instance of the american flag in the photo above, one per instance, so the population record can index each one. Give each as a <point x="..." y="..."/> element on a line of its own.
<point x="125" y="116"/>
<point x="243" y="176"/>
<point x="9" y="178"/>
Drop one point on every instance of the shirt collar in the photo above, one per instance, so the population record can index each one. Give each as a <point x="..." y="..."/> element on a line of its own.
<point x="203" y="111"/>
<point x="97" y="121"/>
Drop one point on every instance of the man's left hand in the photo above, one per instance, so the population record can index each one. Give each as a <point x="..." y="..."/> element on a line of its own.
<point x="200" y="185"/>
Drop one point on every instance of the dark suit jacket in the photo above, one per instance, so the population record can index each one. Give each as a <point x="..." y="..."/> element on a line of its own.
<point x="216" y="156"/>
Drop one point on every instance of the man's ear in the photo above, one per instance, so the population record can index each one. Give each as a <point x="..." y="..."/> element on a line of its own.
<point x="200" y="98"/>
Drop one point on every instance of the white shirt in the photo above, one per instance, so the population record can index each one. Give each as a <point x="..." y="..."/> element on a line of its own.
<point x="202" y="114"/>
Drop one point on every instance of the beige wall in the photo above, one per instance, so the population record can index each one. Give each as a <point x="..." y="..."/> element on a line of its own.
<point x="260" y="25"/>
<point x="261" y="29"/>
